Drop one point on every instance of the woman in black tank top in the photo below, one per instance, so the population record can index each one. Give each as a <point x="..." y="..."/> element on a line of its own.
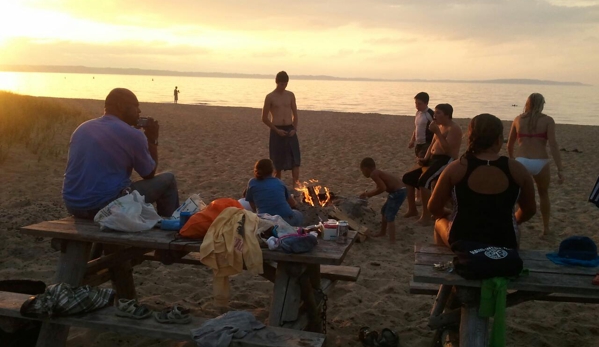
<point x="485" y="188"/>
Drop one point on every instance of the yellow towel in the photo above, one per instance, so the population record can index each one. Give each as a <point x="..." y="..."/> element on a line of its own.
<point x="225" y="251"/>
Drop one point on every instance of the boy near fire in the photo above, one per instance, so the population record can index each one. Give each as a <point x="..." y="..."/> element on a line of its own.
<point x="385" y="182"/>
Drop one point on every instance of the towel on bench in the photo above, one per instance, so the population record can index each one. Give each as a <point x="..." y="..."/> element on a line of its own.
<point x="62" y="300"/>
<point x="219" y="332"/>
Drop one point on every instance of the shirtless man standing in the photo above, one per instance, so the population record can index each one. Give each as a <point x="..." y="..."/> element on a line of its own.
<point x="284" y="145"/>
<point x="444" y="148"/>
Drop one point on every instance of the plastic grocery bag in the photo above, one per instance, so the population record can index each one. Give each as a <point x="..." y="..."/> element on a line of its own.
<point x="128" y="213"/>
<point x="283" y="228"/>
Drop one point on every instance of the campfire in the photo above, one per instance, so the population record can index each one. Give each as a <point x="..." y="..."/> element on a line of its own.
<point x="314" y="194"/>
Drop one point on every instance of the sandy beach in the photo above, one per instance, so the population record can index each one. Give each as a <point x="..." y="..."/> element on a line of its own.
<point x="212" y="150"/>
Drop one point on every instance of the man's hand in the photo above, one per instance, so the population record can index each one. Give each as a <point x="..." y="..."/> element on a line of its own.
<point x="281" y="132"/>
<point x="291" y="133"/>
<point x="151" y="129"/>
<point x="411" y="144"/>
<point x="363" y="196"/>
<point x="434" y="128"/>
<point x="421" y="161"/>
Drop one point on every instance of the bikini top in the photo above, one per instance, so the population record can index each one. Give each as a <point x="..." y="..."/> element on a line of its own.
<point x="539" y="135"/>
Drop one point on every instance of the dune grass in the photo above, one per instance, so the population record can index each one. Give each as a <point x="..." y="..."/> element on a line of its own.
<point x="42" y="126"/>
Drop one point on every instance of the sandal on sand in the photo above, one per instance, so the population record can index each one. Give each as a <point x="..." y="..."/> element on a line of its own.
<point x="132" y="309"/>
<point x="368" y="338"/>
<point x="174" y="315"/>
<point x="388" y="338"/>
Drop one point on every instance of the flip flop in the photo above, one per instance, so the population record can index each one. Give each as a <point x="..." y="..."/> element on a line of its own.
<point x="388" y="338"/>
<point x="132" y="309"/>
<point x="368" y="338"/>
<point x="173" y="315"/>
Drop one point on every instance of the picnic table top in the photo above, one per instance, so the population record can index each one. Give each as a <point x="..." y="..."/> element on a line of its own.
<point x="326" y="252"/>
<point x="544" y="276"/>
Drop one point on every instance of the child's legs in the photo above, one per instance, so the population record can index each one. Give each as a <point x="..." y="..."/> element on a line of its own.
<point x="391" y="231"/>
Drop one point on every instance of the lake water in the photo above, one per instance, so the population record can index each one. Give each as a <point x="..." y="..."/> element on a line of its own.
<point x="566" y="104"/>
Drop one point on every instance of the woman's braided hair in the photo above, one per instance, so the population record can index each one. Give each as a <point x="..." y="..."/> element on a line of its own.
<point x="483" y="132"/>
<point x="263" y="169"/>
<point x="533" y="109"/>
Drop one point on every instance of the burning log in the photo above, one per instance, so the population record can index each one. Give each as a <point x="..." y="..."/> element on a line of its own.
<point x="314" y="194"/>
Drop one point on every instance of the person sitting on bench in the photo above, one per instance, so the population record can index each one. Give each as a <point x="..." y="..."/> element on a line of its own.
<point x="485" y="187"/>
<point x="103" y="152"/>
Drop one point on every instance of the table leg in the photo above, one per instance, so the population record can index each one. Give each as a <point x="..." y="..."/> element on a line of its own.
<point x="474" y="330"/>
<point x="71" y="268"/>
<point x="287" y="294"/>
<point x="121" y="276"/>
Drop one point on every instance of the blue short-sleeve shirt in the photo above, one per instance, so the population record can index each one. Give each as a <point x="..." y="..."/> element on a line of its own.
<point x="270" y="196"/>
<point x="102" y="154"/>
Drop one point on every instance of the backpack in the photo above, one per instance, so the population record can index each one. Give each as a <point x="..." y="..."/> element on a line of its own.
<point x="479" y="261"/>
<point x="429" y="134"/>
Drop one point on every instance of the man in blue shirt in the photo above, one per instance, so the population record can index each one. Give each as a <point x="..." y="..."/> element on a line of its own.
<point x="104" y="151"/>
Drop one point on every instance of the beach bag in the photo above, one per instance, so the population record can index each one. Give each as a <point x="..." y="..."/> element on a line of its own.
<point x="479" y="261"/>
<point x="128" y="213"/>
<point x="197" y="226"/>
<point x="298" y="243"/>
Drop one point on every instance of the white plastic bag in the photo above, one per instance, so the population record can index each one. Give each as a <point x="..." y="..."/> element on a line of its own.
<point x="128" y="213"/>
<point x="193" y="204"/>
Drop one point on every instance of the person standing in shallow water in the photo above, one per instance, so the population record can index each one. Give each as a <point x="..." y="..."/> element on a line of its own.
<point x="283" y="146"/>
<point x="176" y="94"/>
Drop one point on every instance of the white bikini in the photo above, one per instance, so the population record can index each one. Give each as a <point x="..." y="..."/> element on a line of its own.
<point x="534" y="166"/>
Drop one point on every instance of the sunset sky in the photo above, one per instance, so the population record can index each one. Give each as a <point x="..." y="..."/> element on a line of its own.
<point x="428" y="39"/>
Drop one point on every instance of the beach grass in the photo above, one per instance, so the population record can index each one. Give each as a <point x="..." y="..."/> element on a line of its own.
<point x="40" y="125"/>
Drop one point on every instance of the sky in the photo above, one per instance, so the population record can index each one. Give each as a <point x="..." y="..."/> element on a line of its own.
<point x="394" y="39"/>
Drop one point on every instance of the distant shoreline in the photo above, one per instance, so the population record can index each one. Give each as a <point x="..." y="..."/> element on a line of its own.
<point x="147" y="72"/>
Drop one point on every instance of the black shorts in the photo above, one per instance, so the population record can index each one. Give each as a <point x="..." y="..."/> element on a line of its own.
<point x="416" y="178"/>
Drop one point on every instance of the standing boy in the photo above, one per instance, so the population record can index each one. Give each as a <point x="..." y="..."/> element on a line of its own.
<point x="283" y="145"/>
<point x="385" y="182"/>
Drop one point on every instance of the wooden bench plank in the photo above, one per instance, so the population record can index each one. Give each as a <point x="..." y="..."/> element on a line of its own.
<point x="340" y="273"/>
<point x="543" y="266"/>
<point x="530" y="254"/>
<point x="326" y="252"/>
<point x="534" y="282"/>
<point x="433" y="289"/>
<point x="105" y="319"/>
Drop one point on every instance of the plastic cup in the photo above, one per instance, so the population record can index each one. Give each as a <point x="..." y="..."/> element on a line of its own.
<point x="183" y="218"/>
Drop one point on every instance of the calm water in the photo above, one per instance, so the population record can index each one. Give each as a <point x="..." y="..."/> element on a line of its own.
<point x="567" y="104"/>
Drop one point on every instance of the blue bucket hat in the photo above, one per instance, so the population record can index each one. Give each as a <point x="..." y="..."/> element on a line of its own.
<point x="576" y="250"/>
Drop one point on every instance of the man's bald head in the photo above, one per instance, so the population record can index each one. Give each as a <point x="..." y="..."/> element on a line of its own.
<point x="121" y="102"/>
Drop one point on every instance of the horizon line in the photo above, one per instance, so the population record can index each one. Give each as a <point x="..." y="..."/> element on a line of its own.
<point x="155" y="72"/>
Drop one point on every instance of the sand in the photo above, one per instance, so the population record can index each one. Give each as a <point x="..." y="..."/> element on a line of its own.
<point x="212" y="150"/>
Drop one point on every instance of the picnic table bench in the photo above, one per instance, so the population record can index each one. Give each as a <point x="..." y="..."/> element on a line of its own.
<point x="458" y="299"/>
<point x="301" y="281"/>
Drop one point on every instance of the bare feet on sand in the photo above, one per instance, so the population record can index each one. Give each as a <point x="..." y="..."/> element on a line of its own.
<point x="410" y="214"/>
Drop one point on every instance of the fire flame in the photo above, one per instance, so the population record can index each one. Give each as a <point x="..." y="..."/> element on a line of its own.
<point x="303" y="188"/>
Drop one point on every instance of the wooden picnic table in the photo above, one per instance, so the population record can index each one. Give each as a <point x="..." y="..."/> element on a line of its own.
<point x="296" y="277"/>
<point x="563" y="283"/>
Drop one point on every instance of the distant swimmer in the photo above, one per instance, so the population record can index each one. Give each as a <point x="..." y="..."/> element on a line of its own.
<point x="176" y="93"/>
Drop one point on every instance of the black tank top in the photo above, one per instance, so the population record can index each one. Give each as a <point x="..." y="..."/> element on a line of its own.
<point x="485" y="218"/>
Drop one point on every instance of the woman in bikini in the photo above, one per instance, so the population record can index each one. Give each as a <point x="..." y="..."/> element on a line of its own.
<point x="533" y="130"/>
<point x="485" y="187"/>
